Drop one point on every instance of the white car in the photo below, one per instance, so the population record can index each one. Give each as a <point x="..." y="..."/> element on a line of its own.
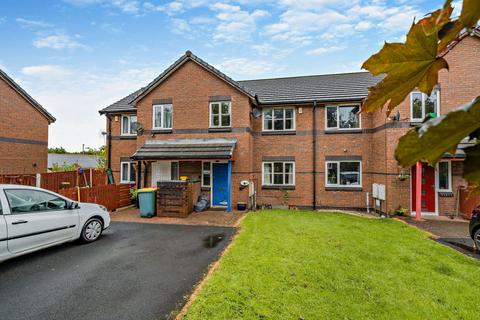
<point x="32" y="219"/>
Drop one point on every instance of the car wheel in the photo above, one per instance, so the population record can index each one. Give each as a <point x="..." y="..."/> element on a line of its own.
<point x="92" y="230"/>
<point x="476" y="238"/>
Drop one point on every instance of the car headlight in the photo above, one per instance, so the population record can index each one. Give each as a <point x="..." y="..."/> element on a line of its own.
<point x="102" y="207"/>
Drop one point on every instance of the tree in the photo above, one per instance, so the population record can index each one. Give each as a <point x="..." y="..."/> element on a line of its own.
<point x="58" y="150"/>
<point x="415" y="64"/>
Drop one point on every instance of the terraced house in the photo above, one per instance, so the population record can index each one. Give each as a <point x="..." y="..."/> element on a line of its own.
<point x="301" y="140"/>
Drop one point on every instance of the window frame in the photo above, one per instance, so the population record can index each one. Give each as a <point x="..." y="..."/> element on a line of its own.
<point x="130" y="164"/>
<point x="283" y="174"/>
<point x="294" y="118"/>
<point x="128" y="116"/>
<point x="162" y="120"/>
<point x="337" y="106"/>
<point x="220" y="114"/>
<point x="449" y="176"/>
<point x="12" y="212"/>
<point x="424" y="97"/>
<point x="327" y="184"/>
<point x="209" y="172"/>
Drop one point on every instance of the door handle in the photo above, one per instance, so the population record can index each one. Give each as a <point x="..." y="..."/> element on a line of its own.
<point x="19" y="222"/>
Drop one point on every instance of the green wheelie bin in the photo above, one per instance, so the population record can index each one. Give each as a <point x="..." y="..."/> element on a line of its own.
<point x="147" y="202"/>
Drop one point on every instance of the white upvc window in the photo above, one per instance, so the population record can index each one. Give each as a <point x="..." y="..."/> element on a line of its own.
<point x="278" y="119"/>
<point x="126" y="125"/>
<point x="421" y="105"/>
<point x="278" y="173"/>
<point x="220" y="114"/>
<point x="162" y="116"/>
<point x="343" y="173"/>
<point x="206" y="174"/>
<point x="343" y="117"/>
<point x="127" y="172"/>
<point x="444" y="171"/>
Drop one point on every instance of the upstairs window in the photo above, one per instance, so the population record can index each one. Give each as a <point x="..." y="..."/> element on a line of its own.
<point x="421" y="105"/>
<point x="220" y="114"/>
<point x="343" y="173"/>
<point x="343" y="117"/>
<point x="279" y="119"/>
<point x="162" y="116"/>
<point x="278" y="174"/>
<point x="126" y="125"/>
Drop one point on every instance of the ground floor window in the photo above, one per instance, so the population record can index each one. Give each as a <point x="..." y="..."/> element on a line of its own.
<point x="444" y="176"/>
<point x="206" y="174"/>
<point x="127" y="172"/>
<point x="343" y="173"/>
<point x="278" y="173"/>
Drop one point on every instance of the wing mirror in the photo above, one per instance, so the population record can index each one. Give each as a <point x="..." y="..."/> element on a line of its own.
<point x="73" y="205"/>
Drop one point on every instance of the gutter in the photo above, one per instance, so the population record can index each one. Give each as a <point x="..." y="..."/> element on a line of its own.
<point x="314" y="152"/>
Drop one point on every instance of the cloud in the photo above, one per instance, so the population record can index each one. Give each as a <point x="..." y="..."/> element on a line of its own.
<point x="57" y="42"/>
<point x="33" y="24"/>
<point x="235" y="24"/>
<point x="127" y="6"/>
<point x="246" y="67"/>
<point x="180" y="26"/>
<point x="45" y="71"/>
<point x="3" y="20"/>
<point x="170" y="8"/>
<point x="323" y="50"/>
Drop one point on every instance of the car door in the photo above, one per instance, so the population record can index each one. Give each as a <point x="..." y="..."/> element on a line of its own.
<point x="37" y="218"/>
<point x="3" y="234"/>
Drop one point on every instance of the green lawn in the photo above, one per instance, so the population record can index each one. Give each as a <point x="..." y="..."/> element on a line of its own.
<point x="305" y="265"/>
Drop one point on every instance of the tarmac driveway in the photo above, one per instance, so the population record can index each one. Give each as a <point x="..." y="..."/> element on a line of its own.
<point x="135" y="271"/>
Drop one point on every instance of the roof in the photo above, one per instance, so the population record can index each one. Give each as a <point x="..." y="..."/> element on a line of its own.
<point x="15" y="86"/>
<point x="83" y="160"/>
<point x="186" y="149"/>
<point x="320" y="88"/>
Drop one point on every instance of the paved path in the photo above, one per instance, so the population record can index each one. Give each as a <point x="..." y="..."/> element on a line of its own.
<point x="135" y="271"/>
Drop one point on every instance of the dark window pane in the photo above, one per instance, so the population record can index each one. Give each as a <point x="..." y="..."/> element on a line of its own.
<point x="267" y="173"/>
<point x="288" y="124"/>
<point x="132" y="173"/>
<point x="278" y="124"/>
<point x="278" y="114"/>
<point x="215" y="108"/>
<point x="216" y="120"/>
<point x="278" y="167"/>
<point x="349" y="173"/>
<point x="348" y="117"/>
<point x="125" y="122"/>
<point x="225" y="120"/>
<point x="206" y="179"/>
<point x="158" y="117"/>
<point x="133" y="119"/>
<point x="225" y="108"/>
<point x="289" y="178"/>
<point x="278" y="178"/>
<point x="331" y="117"/>
<point x="174" y="171"/>
<point x="268" y="124"/>
<point x="167" y="116"/>
<point x="332" y="173"/>
<point x="125" y="167"/>
<point x="289" y="113"/>
<point x="206" y="166"/>
<point x="416" y="105"/>
<point x="431" y="103"/>
<point x="443" y="175"/>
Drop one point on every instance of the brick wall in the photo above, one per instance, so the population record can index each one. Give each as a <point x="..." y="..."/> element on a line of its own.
<point x="23" y="135"/>
<point x="191" y="85"/>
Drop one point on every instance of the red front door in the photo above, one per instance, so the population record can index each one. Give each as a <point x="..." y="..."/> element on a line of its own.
<point x="428" y="188"/>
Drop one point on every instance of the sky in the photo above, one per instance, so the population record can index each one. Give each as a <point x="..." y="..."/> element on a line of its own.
<point x="77" y="56"/>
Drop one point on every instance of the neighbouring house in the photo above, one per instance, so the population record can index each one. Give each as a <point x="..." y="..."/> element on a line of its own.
<point x="86" y="161"/>
<point x="24" y="130"/>
<point x="300" y="140"/>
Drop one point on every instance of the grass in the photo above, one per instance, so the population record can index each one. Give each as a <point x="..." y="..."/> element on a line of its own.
<point x="306" y="265"/>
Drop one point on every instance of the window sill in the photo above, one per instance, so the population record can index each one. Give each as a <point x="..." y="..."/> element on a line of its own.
<point x="128" y="137"/>
<point x="228" y="129"/>
<point x="340" y="188"/>
<point x="338" y="131"/>
<point x="280" y="133"/>
<point x="205" y="188"/>
<point x="161" y="131"/>
<point x="278" y="187"/>
<point x="127" y="182"/>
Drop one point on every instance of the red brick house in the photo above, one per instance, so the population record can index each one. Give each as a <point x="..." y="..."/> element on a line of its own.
<point x="300" y="140"/>
<point x="24" y="130"/>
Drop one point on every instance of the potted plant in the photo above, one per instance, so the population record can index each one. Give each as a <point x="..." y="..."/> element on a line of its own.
<point x="403" y="176"/>
<point x="400" y="211"/>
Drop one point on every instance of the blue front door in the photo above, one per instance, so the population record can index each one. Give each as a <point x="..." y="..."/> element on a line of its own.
<point x="220" y="184"/>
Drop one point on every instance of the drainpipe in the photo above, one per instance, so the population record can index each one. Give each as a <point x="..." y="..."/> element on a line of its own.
<point x="109" y="141"/>
<point x="314" y="151"/>
<point x="418" y="191"/>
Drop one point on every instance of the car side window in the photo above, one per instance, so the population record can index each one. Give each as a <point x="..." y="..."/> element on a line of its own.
<point x="28" y="201"/>
<point x="1" y="210"/>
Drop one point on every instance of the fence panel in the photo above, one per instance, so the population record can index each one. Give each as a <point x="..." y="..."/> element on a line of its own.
<point x="106" y="195"/>
<point x="468" y="202"/>
<point x="125" y="198"/>
<point x="23" y="179"/>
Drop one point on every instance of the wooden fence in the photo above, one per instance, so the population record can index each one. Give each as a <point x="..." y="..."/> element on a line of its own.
<point x="106" y="195"/>
<point x="468" y="202"/>
<point x="176" y="198"/>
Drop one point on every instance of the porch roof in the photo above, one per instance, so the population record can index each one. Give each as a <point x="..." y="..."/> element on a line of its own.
<point x="460" y="152"/>
<point x="186" y="149"/>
